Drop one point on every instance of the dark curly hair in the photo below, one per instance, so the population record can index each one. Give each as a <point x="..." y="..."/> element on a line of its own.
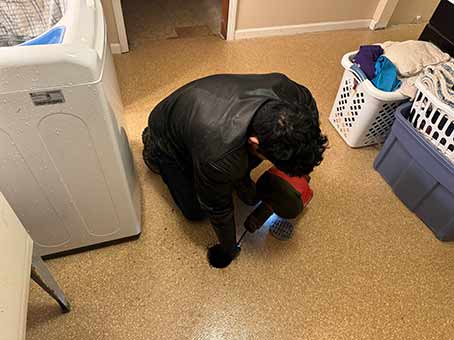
<point x="289" y="137"/>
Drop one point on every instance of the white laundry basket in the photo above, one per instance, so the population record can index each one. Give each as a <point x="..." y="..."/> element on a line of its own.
<point x="434" y="119"/>
<point x="362" y="114"/>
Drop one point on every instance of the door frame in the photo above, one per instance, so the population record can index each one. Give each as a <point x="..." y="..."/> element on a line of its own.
<point x="383" y="14"/>
<point x="231" y="19"/>
<point x="121" y="27"/>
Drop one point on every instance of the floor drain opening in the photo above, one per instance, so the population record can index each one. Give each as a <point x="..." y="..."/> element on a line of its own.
<point x="281" y="229"/>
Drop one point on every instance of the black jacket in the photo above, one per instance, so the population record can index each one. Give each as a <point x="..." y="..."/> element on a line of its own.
<point x="204" y="125"/>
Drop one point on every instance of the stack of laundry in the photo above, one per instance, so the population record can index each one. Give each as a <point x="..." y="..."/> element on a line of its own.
<point x="377" y="68"/>
<point x="439" y="80"/>
<point x="395" y="66"/>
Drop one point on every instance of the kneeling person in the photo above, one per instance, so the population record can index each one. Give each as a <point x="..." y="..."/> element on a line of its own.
<point x="206" y="137"/>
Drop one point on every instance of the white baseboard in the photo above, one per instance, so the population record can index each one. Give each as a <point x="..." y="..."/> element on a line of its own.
<point x="304" y="28"/>
<point x="115" y="48"/>
<point x="376" y="26"/>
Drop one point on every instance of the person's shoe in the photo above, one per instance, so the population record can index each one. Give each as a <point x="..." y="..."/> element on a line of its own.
<point x="145" y="134"/>
<point x="153" y="167"/>
<point x="246" y="191"/>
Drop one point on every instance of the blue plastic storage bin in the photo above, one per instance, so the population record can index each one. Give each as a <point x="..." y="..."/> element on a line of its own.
<point x="419" y="175"/>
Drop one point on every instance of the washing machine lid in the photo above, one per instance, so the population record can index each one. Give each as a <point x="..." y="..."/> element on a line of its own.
<point x="75" y="54"/>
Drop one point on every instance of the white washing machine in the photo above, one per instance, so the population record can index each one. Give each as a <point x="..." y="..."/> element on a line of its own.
<point x="65" y="163"/>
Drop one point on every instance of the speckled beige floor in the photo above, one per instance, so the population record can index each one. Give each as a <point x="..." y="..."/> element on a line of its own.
<point x="360" y="266"/>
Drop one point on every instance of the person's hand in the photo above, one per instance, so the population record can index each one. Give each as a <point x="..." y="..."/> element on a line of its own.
<point x="219" y="258"/>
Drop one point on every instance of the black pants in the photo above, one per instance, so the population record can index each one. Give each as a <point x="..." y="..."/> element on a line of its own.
<point x="181" y="186"/>
<point x="179" y="181"/>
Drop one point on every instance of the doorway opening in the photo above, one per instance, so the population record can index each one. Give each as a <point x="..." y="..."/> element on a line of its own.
<point x="147" y="20"/>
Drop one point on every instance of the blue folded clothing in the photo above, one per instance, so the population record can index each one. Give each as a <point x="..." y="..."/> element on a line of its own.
<point x="385" y="75"/>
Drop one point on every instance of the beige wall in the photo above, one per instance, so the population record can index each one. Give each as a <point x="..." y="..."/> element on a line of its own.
<point x="110" y="18"/>
<point x="266" y="13"/>
<point x="407" y="10"/>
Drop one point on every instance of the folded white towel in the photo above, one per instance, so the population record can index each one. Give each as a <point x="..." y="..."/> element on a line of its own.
<point x="410" y="57"/>
<point x="439" y="80"/>
<point x="408" y="87"/>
